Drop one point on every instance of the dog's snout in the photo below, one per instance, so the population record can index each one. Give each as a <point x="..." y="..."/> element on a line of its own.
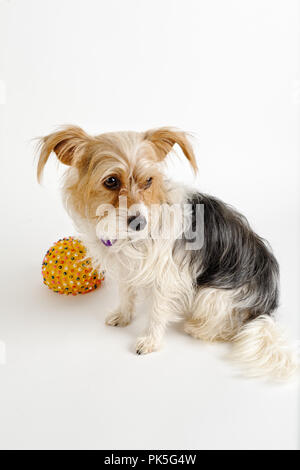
<point x="137" y="222"/>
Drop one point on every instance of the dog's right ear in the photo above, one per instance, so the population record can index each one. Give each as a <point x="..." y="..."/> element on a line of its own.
<point x="69" y="144"/>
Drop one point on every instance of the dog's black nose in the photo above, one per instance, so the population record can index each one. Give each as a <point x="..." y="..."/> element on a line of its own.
<point x="137" y="222"/>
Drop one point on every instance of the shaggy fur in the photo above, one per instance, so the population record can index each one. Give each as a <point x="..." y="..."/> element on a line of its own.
<point x="224" y="288"/>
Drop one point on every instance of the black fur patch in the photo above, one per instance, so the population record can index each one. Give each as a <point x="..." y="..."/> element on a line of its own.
<point x="233" y="256"/>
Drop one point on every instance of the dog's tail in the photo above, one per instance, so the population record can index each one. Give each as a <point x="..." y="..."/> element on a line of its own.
<point x="262" y="347"/>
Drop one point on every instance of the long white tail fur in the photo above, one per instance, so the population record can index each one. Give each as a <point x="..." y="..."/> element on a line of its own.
<point x="262" y="348"/>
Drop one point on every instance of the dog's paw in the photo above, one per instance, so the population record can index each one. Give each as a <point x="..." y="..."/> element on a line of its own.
<point x="117" y="319"/>
<point x="146" y="345"/>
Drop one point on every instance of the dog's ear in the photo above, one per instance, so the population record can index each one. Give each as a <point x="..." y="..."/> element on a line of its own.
<point x="69" y="143"/>
<point x="163" y="140"/>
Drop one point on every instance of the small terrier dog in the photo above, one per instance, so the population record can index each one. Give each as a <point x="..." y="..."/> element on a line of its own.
<point x="205" y="266"/>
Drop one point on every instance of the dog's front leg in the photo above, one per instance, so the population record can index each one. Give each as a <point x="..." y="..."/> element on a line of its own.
<point x="161" y="314"/>
<point x="123" y="315"/>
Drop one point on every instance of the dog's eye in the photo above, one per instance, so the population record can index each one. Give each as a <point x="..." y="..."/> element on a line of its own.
<point x="112" y="182"/>
<point x="148" y="183"/>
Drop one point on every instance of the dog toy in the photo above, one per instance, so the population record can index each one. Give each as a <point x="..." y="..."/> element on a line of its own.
<point x="67" y="270"/>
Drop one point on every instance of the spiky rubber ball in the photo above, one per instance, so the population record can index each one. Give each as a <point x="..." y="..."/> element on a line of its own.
<point x="67" y="270"/>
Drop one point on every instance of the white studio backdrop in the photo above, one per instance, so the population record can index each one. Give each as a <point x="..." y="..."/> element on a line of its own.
<point x="227" y="71"/>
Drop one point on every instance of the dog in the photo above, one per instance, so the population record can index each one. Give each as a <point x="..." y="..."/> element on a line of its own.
<point x="208" y="269"/>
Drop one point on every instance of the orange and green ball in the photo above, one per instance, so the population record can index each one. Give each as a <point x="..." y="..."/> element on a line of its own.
<point x="67" y="270"/>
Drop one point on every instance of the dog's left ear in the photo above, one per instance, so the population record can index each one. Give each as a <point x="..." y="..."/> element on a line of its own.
<point x="163" y="140"/>
<point x="68" y="143"/>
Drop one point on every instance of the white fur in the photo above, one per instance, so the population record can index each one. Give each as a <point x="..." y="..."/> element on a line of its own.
<point x="209" y="314"/>
<point x="261" y="347"/>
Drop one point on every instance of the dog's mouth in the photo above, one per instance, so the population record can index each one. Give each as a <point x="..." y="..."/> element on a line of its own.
<point x="109" y="235"/>
<point x="131" y="237"/>
<point x="108" y="242"/>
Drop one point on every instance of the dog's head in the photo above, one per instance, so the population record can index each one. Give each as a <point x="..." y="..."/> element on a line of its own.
<point x="111" y="169"/>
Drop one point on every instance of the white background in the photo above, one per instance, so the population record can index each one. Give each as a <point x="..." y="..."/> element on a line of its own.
<point x="227" y="71"/>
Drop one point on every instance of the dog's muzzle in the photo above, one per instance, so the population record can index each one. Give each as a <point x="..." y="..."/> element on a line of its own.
<point x="137" y="223"/>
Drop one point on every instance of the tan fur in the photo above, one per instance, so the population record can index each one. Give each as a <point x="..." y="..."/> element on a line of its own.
<point x="70" y="145"/>
<point x="163" y="140"/>
<point x="131" y="157"/>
